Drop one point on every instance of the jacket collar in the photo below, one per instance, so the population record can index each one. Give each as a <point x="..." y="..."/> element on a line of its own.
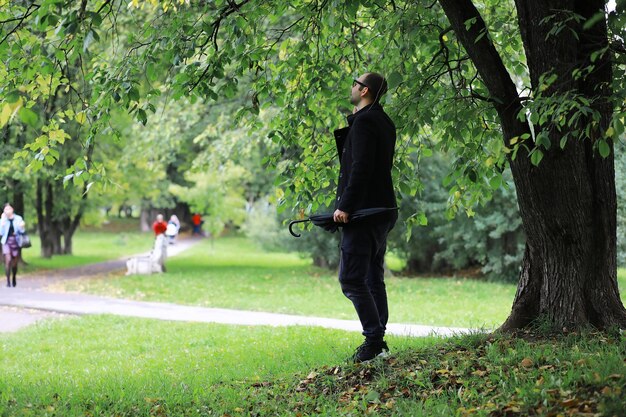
<point x="373" y="106"/>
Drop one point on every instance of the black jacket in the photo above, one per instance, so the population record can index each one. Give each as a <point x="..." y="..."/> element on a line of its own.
<point x="366" y="150"/>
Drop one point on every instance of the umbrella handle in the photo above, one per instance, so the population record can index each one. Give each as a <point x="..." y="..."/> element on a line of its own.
<point x="293" y="223"/>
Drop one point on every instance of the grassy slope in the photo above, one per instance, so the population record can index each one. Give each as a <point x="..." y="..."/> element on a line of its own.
<point x="470" y="376"/>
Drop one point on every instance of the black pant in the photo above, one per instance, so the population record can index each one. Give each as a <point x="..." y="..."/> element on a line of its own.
<point x="361" y="273"/>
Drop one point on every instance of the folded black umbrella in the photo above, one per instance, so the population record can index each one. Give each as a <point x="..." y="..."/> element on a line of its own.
<point x="326" y="222"/>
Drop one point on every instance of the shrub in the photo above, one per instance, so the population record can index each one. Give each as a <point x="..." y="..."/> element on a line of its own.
<point x="491" y="240"/>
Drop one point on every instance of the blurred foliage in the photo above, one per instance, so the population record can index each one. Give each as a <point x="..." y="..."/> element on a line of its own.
<point x="216" y="102"/>
<point x="269" y="229"/>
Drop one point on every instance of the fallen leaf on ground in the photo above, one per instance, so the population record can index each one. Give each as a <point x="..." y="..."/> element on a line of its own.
<point x="527" y="362"/>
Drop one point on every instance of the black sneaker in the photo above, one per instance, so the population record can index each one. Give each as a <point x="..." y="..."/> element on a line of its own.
<point x="369" y="350"/>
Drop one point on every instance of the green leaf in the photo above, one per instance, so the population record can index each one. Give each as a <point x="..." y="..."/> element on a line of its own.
<point x="28" y="116"/>
<point x="394" y="79"/>
<point x="536" y="156"/>
<point x="593" y="20"/>
<point x="543" y="140"/>
<point x="133" y="94"/>
<point x="142" y="116"/>
<point x="12" y="97"/>
<point x="603" y="148"/>
<point x="495" y="182"/>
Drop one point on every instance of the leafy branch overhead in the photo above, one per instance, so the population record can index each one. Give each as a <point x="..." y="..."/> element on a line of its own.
<point x="300" y="56"/>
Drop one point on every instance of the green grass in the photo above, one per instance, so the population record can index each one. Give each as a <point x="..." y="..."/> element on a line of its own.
<point x="89" y="247"/>
<point x="233" y="273"/>
<point x="111" y="366"/>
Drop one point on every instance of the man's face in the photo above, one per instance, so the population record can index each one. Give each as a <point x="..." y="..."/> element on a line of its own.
<point x="8" y="210"/>
<point x="357" y="90"/>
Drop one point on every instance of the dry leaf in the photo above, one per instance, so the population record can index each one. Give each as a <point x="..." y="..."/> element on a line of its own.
<point x="570" y="403"/>
<point x="389" y="404"/>
<point x="527" y="362"/>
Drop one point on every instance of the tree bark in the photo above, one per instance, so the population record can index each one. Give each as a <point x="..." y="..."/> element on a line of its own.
<point x="18" y="197"/>
<point x="567" y="203"/>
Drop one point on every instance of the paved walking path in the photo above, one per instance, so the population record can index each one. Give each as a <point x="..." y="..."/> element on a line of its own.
<point x="28" y="303"/>
<point x="44" y="278"/>
<point x="14" y="315"/>
<point x="90" y="304"/>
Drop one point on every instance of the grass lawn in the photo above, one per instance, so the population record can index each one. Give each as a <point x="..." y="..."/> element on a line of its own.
<point x="89" y="247"/>
<point x="109" y="366"/>
<point x="234" y="273"/>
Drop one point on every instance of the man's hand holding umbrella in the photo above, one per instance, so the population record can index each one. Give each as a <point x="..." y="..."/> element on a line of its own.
<point x="340" y="216"/>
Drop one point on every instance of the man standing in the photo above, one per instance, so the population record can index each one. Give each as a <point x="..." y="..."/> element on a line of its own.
<point x="366" y="149"/>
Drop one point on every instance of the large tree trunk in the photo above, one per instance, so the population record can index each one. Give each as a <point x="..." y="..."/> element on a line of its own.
<point x="567" y="202"/>
<point x="57" y="225"/>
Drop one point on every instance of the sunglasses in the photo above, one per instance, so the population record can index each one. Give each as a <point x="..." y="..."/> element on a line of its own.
<point x="355" y="82"/>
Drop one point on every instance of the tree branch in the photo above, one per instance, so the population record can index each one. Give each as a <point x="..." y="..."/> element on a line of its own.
<point x="231" y="8"/>
<point x="20" y="20"/>
<point x="474" y="38"/>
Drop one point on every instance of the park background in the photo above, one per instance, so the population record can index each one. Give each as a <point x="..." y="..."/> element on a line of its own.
<point x="89" y="179"/>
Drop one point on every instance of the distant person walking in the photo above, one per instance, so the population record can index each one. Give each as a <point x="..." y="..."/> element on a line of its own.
<point x="173" y="227"/>
<point x="196" y="221"/>
<point x="11" y="227"/>
<point x="366" y="147"/>
<point x="159" y="226"/>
